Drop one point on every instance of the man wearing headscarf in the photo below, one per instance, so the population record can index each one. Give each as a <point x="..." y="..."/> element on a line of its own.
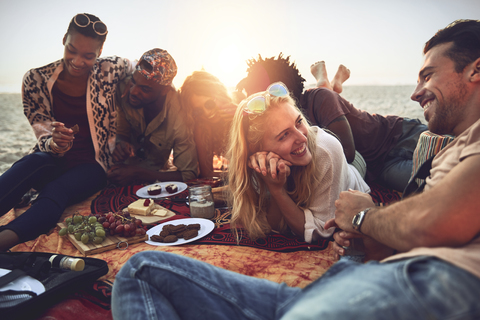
<point x="150" y="126"/>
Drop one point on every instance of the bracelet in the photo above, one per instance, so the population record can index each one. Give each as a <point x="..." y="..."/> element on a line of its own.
<point x="55" y="148"/>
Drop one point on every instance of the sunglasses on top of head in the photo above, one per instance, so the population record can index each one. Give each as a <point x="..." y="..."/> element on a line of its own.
<point x="83" y="21"/>
<point x="257" y="105"/>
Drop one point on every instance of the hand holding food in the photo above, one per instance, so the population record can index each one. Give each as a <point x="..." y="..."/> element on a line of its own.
<point x="62" y="137"/>
<point x="123" y="150"/>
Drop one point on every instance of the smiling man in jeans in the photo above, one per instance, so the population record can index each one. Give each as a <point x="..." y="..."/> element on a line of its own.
<point x="434" y="275"/>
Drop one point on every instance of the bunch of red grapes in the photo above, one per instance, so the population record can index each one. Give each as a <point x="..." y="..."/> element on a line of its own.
<point x="122" y="224"/>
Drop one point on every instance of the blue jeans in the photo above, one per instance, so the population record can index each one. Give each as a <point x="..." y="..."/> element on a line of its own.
<point x="398" y="165"/>
<point x="160" y="285"/>
<point x="58" y="188"/>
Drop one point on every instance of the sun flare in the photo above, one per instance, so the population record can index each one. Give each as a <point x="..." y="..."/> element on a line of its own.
<point x="229" y="58"/>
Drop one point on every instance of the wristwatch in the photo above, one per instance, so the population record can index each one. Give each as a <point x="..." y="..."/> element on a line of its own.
<point x="358" y="219"/>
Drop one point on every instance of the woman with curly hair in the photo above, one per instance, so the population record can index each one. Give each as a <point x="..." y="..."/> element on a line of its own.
<point x="283" y="173"/>
<point x="209" y="111"/>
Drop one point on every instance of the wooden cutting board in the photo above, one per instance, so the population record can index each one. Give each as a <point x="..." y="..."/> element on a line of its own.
<point x="110" y="242"/>
<point x="153" y="219"/>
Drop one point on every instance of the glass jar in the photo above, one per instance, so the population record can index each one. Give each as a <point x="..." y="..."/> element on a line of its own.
<point x="201" y="201"/>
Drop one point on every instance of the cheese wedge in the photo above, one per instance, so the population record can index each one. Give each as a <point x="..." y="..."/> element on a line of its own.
<point x="138" y="207"/>
<point x="159" y="212"/>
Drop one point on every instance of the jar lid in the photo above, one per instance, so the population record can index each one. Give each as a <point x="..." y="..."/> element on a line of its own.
<point x="200" y="188"/>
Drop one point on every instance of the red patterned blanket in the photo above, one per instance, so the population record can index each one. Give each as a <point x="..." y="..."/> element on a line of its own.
<point x="114" y="199"/>
<point x="286" y="258"/>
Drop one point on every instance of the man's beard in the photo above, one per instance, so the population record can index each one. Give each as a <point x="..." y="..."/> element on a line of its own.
<point x="450" y="112"/>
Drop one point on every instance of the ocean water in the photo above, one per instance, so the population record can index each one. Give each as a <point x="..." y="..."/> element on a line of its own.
<point x="17" y="138"/>
<point x="385" y="100"/>
<point x="16" y="134"/>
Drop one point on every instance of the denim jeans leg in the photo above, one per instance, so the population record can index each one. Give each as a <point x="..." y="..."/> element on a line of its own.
<point x="31" y="171"/>
<point x="72" y="186"/>
<point x="417" y="288"/>
<point x="159" y="285"/>
<point x="398" y="165"/>
<point x="396" y="173"/>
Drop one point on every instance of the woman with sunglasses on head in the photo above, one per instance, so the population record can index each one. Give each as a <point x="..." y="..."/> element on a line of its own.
<point x="209" y="110"/>
<point x="283" y="173"/>
<point x="70" y="106"/>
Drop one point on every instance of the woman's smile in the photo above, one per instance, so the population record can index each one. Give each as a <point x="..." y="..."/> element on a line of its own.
<point x="300" y="151"/>
<point x="287" y="135"/>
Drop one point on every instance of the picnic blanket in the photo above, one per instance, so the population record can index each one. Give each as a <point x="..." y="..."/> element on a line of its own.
<point x="280" y="258"/>
<point x="115" y="199"/>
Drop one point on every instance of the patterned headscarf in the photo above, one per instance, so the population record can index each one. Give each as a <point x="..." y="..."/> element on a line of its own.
<point x="163" y="66"/>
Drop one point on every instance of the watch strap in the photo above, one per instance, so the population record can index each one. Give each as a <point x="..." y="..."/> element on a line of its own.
<point x="358" y="219"/>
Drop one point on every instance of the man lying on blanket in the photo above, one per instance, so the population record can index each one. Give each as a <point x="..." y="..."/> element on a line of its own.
<point x="435" y="276"/>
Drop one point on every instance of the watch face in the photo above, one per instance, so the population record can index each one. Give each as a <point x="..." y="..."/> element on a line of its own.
<point x="356" y="220"/>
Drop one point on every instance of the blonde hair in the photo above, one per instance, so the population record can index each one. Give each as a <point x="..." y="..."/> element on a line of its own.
<point x="248" y="195"/>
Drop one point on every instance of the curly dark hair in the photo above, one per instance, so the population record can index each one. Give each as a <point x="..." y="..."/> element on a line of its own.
<point x="263" y="72"/>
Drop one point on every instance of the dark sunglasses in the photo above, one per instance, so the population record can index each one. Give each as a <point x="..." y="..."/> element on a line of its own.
<point x="83" y="21"/>
<point x="210" y="104"/>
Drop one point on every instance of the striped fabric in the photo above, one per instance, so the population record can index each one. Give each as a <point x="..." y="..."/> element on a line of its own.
<point x="429" y="144"/>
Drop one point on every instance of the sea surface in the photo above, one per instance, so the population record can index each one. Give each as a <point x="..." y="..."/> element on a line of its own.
<point x="17" y="138"/>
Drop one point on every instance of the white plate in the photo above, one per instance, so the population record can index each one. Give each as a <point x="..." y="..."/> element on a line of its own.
<point x="24" y="283"/>
<point x="143" y="193"/>
<point x="206" y="226"/>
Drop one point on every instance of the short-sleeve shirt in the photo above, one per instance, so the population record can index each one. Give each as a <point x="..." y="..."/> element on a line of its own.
<point x="465" y="145"/>
<point x="374" y="135"/>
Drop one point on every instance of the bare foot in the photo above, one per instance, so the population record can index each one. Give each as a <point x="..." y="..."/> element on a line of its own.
<point x="319" y="71"/>
<point x="340" y="77"/>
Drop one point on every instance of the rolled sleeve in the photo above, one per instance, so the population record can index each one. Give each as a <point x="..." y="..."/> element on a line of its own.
<point x="314" y="227"/>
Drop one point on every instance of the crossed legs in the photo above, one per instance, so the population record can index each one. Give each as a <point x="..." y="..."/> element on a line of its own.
<point x="319" y="71"/>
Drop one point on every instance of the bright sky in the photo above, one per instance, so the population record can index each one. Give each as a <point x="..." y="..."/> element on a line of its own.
<point x="379" y="41"/>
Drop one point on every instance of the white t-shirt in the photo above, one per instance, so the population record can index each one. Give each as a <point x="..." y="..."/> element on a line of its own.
<point x="337" y="176"/>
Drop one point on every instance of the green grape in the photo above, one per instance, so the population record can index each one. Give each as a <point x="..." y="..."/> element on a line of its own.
<point x="77" y="219"/>
<point x="97" y="240"/>
<point x="62" y="232"/>
<point x="100" y="232"/>
<point x="69" y="221"/>
<point x="87" y="228"/>
<point x="91" y="235"/>
<point x="92" y="220"/>
<point x="78" y="236"/>
<point x="85" y="238"/>
<point x="71" y="229"/>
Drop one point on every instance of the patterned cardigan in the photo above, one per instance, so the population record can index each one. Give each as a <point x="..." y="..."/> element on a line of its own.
<point x="37" y="103"/>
